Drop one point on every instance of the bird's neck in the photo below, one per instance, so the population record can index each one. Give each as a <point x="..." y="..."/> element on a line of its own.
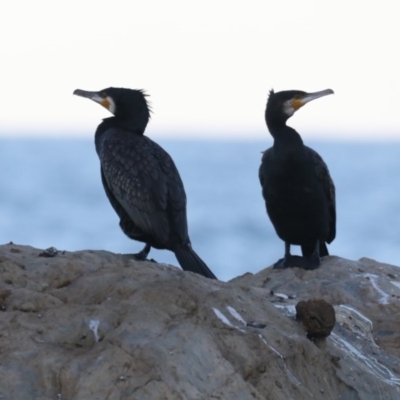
<point x="129" y="124"/>
<point x="285" y="137"/>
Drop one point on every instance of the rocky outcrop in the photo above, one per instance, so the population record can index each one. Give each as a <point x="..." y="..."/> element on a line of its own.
<point x="95" y="325"/>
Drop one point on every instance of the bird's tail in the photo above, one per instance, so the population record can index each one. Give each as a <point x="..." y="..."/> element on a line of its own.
<point x="190" y="261"/>
<point x="323" y="250"/>
<point x="308" y="250"/>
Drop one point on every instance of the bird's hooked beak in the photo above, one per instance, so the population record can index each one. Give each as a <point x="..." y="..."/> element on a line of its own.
<point x="104" y="100"/>
<point x="307" y="97"/>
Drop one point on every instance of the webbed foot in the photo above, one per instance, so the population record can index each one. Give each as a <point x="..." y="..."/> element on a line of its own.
<point x="308" y="263"/>
<point x="142" y="255"/>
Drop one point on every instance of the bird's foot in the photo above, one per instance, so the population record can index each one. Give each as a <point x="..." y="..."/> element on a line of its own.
<point x="279" y="264"/>
<point x="308" y="263"/>
<point x="312" y="262"/>
<point x="141" y="256"/>
<point x="287" y="262"/>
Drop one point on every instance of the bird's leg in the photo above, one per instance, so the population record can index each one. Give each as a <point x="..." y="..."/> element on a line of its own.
<point x="142" y="255"/>
<point x="285" y="261"/>
<point x="288" y="256"/>
<point x="290" y="261"/>
<point x="314" y="260"/>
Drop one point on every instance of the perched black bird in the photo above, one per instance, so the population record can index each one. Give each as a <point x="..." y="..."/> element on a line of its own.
<point x="141" y="180"/>
<point x="298" y="190"/>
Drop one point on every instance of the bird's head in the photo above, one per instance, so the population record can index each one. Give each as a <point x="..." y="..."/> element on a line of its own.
<point x="282" y="105"/>
<point x="125" y="104"/>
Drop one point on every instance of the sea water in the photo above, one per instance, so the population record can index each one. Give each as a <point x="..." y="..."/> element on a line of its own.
<point x="51" y="195"/>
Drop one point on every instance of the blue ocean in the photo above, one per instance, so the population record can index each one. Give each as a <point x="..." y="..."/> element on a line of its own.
<point x="51" y="195"/>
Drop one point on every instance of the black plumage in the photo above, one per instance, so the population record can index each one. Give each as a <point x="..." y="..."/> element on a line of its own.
<point x="296" y="185"/>
<point x="141" y="180"/>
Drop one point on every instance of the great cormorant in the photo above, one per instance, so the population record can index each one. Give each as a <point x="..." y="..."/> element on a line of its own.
<point x="298" y="190"/>
<point x="141" y="180"/>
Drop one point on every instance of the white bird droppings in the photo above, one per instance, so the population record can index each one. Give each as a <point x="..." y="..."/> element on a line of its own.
<point x="94" y="327"/>
<point x="236" y="315"/>
<point x="384" y="296"/>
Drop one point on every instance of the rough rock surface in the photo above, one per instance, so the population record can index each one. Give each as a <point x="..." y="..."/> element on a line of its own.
<point x="94" y="325"/>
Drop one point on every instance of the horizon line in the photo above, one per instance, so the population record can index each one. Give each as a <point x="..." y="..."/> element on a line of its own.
<point x="210" y="136"/>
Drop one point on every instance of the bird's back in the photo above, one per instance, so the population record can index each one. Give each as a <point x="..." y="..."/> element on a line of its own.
<point x="142" y="182"/>
<point x="299" y="194"/>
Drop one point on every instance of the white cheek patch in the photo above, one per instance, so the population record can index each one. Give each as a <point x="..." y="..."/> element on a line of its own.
<point x="288" y="109"/>
<point x="111" y="106"/>
<point x="106" y="102"/>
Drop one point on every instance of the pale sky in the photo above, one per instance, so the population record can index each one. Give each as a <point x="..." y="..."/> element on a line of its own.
<point x="207" y="65"/>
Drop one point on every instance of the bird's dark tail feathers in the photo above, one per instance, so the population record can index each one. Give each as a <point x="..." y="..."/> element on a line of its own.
<point x="190" y="261"/>
<point x="323" y="250"/>
<point x="308" y="250"/>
